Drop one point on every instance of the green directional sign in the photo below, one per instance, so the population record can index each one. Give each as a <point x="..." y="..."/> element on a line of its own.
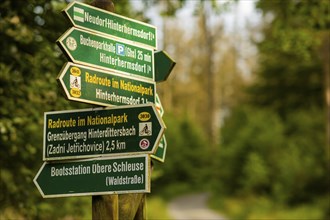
<point x="94" y="177"/>
<point x="96" y="132"/>
<point x="91" y="49"/>
<point x="161" y="150"/>
<point x="163" y="66"/>
<point x="94" y="86"/>
<point x="105" y="22"/>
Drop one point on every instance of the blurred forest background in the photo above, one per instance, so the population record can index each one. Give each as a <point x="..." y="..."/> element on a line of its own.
<point x="247" y="111"/>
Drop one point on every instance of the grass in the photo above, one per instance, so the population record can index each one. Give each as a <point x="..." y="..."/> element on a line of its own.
<point x="262" y="208"/>
<point x="157" y="208"/>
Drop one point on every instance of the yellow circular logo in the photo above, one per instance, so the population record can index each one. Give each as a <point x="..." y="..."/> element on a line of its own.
<point x="75" y="92"/>
<point x="144" y="116"/>
<point x="75" y="71"/>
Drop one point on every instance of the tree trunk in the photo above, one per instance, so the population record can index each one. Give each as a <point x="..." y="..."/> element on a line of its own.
<point x="325" y="59"/>
<point x="212" y="129"/>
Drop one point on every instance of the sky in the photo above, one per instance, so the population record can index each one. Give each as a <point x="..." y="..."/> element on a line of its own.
<point x="245" y="12"/>
<point x="235" y="20"/>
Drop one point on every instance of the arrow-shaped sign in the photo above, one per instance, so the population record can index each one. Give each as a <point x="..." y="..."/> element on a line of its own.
<point x="94" y="177"/>
<point x="163" y="66"/>
<point x="159" y="105"/>
<point x="94" y="86"/>
<point x="161" y="150"/>
<point x="91" y="49"/>
<point x="90" y="133"/>
<point x="98" y="20"/>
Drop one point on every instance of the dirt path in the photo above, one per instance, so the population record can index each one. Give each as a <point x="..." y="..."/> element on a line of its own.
<point x="192" y="207"/>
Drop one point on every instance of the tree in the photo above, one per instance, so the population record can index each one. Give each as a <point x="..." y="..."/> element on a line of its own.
<point x="301" y="30"/>
<point x="273" y="142"/>
<point x="186" y="156"/>
<point x="205" y="78"/>
<point x="29" y="64"/>
<point x="294" y="68"/>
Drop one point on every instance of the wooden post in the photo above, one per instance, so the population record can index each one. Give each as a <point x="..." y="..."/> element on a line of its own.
<point x="105" y="207"/>
<point x="131" y="206"/>
<point x="115" y="207"/>
<point x="141" y="212"/>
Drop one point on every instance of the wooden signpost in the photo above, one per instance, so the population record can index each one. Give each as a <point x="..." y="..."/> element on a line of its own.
<point x="106" y="152"/>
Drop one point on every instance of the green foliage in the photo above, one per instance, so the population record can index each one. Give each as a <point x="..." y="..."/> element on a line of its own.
<point x="290" y="81"/>
<point x="28" y="61"/>
<point x="290" y="62"/>
<point x="187" y="155"/>
<point x="313" y="14"/>
<point x="29" y="64"/>
<point x="262" y="155"/>
<point x="260" y="207"/>
<point x="157" y="208"/>
<point x="273" y="145"/>
<point x="251" y="139"/>
<point x="303" y="168"/>
<point x="255" y="173"/>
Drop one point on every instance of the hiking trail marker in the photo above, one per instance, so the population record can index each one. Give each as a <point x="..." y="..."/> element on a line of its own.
<point x="160" y="153"/>
<point x="161" y="150"/>
<point x="99" y="132"/>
